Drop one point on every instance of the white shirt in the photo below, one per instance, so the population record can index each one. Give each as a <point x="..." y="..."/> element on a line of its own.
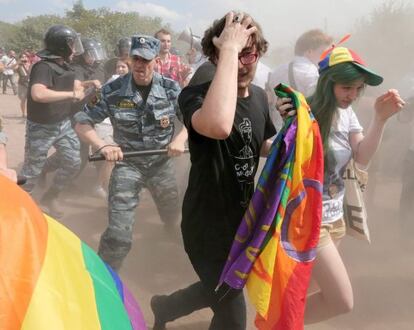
<point x="305" y="75"/>
<point x="339" y="155"/>
<point x="8" y="64"/>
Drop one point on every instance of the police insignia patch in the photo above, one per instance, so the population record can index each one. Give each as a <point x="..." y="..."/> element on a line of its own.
<point x="165" y="121"/>
<point x="126" y="104"/>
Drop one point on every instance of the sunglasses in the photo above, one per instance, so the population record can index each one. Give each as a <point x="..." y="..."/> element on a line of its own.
<point x="248" y="58"/>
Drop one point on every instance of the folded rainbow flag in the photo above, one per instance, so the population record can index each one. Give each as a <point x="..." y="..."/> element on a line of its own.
<point x="49" y="279"/>
<point x="275" y="245"/>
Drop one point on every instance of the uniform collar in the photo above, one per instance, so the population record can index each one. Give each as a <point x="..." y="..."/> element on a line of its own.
<point x="126" y="87"/>
<point x="156" y="81"/>
<point x="128" y="91"/>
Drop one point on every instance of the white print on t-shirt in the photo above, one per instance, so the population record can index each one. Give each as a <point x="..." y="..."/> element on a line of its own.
<point x="339" y="155"/>
<point x="244" y="162"/>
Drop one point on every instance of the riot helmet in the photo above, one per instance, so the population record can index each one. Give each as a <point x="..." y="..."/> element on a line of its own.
<point x="122" y="47"/>
<point x="61" y="42"/>
<point x="93" y="49"/>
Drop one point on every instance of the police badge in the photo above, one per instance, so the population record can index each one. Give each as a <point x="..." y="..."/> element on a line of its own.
<point x="165" y="121"/>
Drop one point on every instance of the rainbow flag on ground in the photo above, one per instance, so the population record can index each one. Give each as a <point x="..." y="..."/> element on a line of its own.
<point x="276" y="242"/>
<point x="49" y="279"/>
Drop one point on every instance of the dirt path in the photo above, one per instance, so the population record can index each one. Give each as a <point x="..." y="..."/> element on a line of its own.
<point x="382" y="273"/>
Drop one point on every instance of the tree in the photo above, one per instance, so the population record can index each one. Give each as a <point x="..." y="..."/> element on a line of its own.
<point x="105" y="25"/>
<point x="8" y="31"/>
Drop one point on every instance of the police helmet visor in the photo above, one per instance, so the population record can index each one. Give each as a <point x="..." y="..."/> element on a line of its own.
<point x="76" y="45"/>
<point x="97" y="54"/>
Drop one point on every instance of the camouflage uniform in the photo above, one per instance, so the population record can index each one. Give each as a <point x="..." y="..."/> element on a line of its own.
<point x="39" y="139"/>
<point x="48" y="124"/>
<point x="137" y="125"/>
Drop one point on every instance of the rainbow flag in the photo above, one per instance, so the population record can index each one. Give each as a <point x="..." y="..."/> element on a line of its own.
<point x="275" y="245"/>
<point x="50" y="279"/>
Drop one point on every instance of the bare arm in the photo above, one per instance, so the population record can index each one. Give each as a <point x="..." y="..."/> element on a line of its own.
<point x="88" y="134"/>
<point x="386" y="106"/>
<point x="40" y="93"/>
<point x="216" y="116"/>
<point x="87" y="83"/>
<point x="265" y="149"/>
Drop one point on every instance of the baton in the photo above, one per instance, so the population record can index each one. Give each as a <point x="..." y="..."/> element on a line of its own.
<point x="131" y="154"/>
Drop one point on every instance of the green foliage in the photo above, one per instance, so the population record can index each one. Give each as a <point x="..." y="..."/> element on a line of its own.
<point x="30" y="32"/>
<point x="7" y="32"/>
<point x="106" y="25"/>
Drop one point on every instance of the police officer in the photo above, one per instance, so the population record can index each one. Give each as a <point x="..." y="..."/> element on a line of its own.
<point x="121" y="52"/>
<point x="89" y="74"/>
<point x="88" y="66"/>
<point x="142" y="106"/>
<point x="51" y="93"/>
<point x="4" y="170"/>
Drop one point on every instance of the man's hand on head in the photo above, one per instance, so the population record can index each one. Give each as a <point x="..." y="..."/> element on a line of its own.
<point x="236" y="32"/>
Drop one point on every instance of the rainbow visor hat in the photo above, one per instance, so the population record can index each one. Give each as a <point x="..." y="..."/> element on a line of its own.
<point x="342" y="55"/>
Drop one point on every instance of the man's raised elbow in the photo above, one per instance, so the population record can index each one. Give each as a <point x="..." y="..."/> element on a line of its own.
<point x="37" y="96"/>
<point x="222" y="132"/>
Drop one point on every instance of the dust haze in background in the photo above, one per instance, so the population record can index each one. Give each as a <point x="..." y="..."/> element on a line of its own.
<point x="382" y="273"/>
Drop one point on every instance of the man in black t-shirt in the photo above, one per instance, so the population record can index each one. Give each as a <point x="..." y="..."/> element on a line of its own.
<point x="89" y="75"/>
<point x="229" y="126"/>
<point x="51" y="93"/>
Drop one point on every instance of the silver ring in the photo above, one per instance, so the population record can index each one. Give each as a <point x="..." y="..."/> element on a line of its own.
<point x="237" y="19"/>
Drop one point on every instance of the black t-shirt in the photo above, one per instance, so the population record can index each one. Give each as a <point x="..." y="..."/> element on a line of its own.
<point x="221" y="180"/>
<point x="55" y="77"/>
<point x="142" y="90"/>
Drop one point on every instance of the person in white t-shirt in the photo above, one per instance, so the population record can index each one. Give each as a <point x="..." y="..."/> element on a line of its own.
<point x="10" y="64"/>
<point x="343" y="76"/>
<point x="302" y="72"/>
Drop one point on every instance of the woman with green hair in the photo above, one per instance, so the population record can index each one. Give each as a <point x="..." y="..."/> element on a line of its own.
<point x="343" y="76"/>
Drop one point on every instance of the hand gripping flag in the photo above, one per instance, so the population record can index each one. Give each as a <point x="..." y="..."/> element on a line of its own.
<point x="49" y="279"/>
<point x="276" y="242"/>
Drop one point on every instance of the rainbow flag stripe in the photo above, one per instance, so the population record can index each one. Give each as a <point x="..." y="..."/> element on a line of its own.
<point x="50" y="279"/>
<point x="275" y="245"/>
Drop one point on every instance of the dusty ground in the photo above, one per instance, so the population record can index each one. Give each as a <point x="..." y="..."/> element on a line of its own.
<point x="382" y="273"/>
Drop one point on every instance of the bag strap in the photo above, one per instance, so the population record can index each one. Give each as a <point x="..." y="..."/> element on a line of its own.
<point x="360" y="174"/>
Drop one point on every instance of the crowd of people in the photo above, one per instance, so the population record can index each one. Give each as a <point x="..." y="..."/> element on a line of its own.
<point x="78" y="101"/>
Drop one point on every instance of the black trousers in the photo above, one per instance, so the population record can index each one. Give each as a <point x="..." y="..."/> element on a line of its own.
<point x="228" y="304"/>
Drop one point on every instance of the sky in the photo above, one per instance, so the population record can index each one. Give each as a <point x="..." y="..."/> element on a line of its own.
<point x="282" y="21"/>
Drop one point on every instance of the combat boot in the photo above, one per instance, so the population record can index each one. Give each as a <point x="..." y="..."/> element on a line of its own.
<point x="50" y="203"/>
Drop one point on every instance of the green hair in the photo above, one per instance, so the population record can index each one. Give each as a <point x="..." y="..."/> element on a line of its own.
<point x="323" y="102"/>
